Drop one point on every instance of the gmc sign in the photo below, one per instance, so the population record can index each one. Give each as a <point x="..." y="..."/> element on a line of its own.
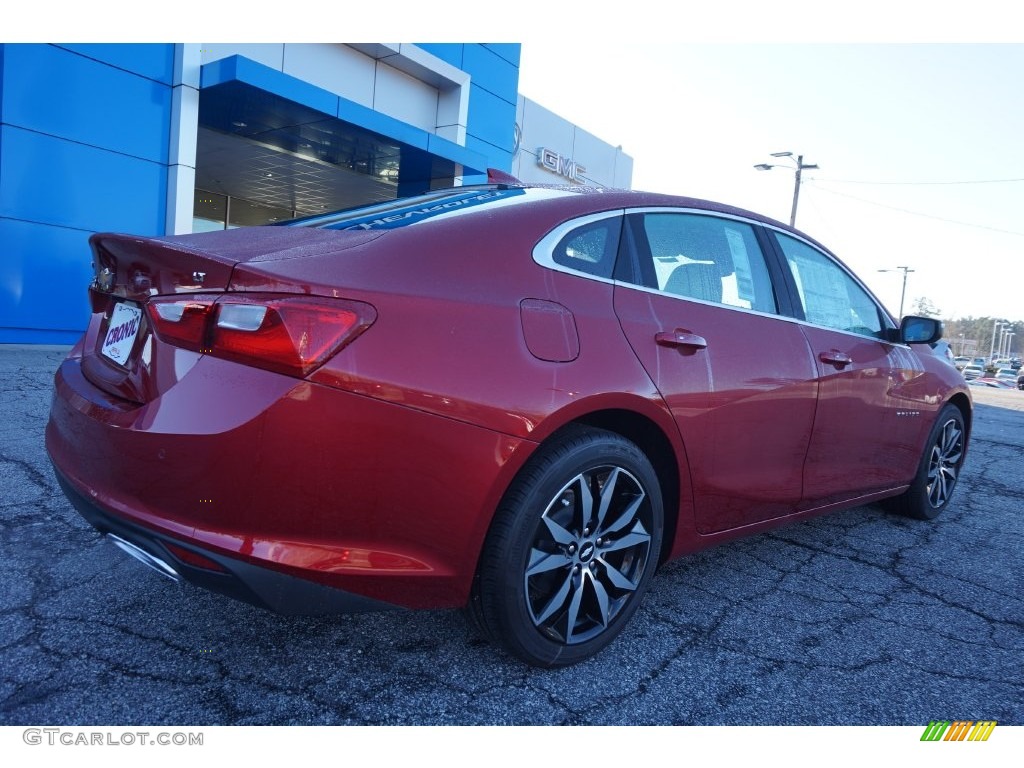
<point x="563" y="166"/>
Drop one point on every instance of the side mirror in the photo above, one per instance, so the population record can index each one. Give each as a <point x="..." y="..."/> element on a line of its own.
<point x="920" y="330"/>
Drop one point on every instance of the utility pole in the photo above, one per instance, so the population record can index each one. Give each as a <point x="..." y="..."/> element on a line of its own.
<point x="801" y="166"/>
<point x="903" y="295"/>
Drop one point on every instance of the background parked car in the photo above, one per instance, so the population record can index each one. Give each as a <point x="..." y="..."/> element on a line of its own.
<point x="1007" y="374"/>
<point x="992" y="383"/>
<point x="943" y="349"/>
<point x="973" y="371"/>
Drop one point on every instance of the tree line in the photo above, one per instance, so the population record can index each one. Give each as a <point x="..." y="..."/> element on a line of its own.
<point x="973" y="336"/>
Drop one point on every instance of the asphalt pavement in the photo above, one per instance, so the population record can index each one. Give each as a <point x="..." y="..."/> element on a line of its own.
<point x="856" y="618"/>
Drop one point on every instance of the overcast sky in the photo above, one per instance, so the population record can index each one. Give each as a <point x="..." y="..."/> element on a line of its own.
<point x="920" y="147"/>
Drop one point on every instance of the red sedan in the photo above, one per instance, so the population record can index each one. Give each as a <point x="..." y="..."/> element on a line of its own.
<point x="518" y="400"/>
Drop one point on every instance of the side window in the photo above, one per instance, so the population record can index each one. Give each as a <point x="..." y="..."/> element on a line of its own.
<point x="591" y="248"/>
<point x="707" y="258"/>
<point x="831" y="297"/>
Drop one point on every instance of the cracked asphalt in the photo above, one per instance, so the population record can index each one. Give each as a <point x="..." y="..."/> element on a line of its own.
<point x="857" y="618"/>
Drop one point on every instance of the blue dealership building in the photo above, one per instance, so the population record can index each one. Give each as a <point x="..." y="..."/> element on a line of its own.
<point x="154" y="139"/>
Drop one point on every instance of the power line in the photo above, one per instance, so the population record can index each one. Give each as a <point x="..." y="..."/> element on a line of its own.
<point x="921" y="183"/>
<point x="915" y="213"/>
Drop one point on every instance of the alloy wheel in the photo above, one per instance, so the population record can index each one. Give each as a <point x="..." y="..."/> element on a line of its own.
<point x="589" y="554"/>
<point x="944" y="464"/>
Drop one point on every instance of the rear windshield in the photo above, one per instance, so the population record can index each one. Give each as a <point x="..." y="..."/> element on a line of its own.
<point x="431" y="206"/>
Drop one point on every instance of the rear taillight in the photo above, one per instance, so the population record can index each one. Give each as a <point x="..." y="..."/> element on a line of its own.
<point x="293" y="335"/>
<point x="181" y="322"/>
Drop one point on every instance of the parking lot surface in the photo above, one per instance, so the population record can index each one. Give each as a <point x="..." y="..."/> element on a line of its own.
<point x="851" y="619"/>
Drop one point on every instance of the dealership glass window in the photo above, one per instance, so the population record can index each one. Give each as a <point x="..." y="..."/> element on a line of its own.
<point x="247" y="213"/>
<point x="707" y="258"/>
<point x="209" y="211"/>
<point x="212" y="211"/>
<point x="830" y="296"/>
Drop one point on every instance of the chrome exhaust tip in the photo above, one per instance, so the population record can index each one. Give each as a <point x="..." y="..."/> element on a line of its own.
<point x="144" y="557"/>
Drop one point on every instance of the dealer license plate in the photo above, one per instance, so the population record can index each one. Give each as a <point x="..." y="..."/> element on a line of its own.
<point x="121" y="333"/>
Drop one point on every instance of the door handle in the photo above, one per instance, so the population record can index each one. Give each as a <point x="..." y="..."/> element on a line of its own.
<point x="835" y="358"/>
<point x="681" y="339"/>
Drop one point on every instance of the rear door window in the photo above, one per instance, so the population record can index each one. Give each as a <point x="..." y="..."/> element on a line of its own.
<point x="702" y="257"/>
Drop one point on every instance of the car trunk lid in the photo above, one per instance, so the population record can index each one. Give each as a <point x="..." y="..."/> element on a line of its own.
<point x="121" y="354"/>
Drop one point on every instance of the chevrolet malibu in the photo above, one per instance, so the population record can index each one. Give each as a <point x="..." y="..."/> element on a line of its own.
<point x="517" y="400"/>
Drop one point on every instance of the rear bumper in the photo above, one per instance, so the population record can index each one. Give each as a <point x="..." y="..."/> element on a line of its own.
<point x="294" y="489"/>
<point x="275" y="591"/>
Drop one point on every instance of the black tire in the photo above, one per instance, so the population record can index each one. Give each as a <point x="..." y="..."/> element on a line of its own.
<point x="939" y="470"/>
<point x="571" y="550"/>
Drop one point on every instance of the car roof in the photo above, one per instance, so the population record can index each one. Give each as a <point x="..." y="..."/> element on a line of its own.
<point x="576" y="200"/>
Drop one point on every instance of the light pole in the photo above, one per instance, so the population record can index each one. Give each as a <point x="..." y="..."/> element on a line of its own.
<point x="903" y="295"/>
<point x="1009" y="341"/>
<point x="961" y="352"/>
<point x="800" y="167"/>
<point x="992" y="349"/>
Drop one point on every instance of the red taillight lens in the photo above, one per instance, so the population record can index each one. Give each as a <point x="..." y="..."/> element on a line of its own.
<point x="181" y="322"/>
<point x="293" y="335"/>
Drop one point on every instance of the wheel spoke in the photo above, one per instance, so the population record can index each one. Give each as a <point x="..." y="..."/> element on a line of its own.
<point x="948" y="481"/>
<point x="627" y="516"/>
<point x="939" y="489"/>
<point x="950" y="437"/>
<point x="574" y="611"/>
<point x="558" y="533"/>
<point x="602" y="600"/>
<point x="617" y="578"/>
<point x="542" y="562"/>
<point x="634" y="538"/>
<point x="556" y="601"/>
<point x="952" y="442"/>
<point x="607" y="494"/>
<point x="586" y="500"/>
